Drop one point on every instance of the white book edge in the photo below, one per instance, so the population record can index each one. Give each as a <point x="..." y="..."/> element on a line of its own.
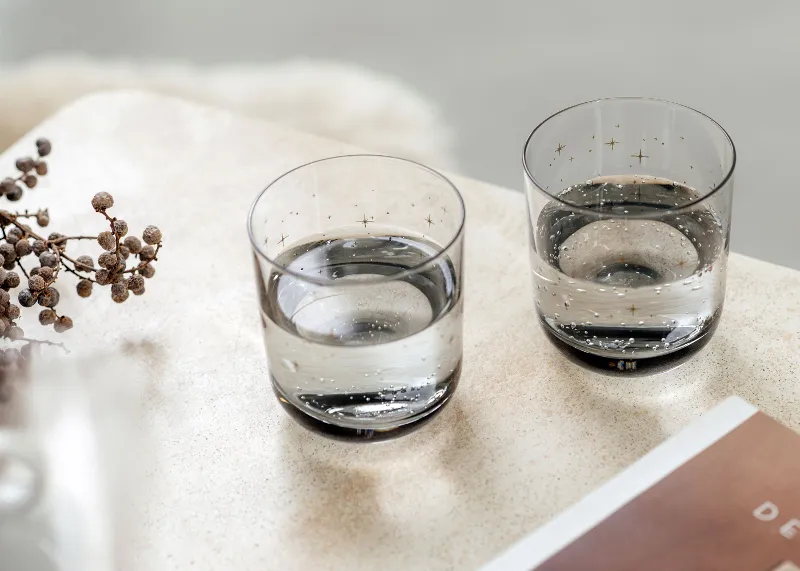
<point x="568" y="526"/>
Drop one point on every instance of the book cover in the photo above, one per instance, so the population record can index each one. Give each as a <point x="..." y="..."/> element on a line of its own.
<point x="723" y="494"/>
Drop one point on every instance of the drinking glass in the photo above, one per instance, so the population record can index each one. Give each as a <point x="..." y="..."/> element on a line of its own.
<point x="629" y="202"/>
<point x="69" y="452"/>
<point x="358" y="261"/>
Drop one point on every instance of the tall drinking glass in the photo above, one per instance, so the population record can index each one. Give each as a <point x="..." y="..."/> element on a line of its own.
<point x="630" y="209"/>
<point x="358" y="261"/>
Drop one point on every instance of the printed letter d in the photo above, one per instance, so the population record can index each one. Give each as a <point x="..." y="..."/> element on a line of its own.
<point x="766" y="511"/>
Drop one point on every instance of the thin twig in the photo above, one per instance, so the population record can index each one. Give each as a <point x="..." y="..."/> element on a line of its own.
<point x="19" y="263"/>
<point x="27" y="214"/>
<point x="141" y="265"/>
<point x="65" y="238"/>
<point x="45" y="342"/>
<point x="73" y="270"/>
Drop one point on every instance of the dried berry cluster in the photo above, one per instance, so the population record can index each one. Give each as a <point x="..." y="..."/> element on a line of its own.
<point x="124" y="264"/>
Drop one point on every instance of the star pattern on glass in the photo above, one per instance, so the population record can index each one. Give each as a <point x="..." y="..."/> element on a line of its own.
<point x="633" y="309"/>
<point x="612" y="142"/>
<point x="640" y="156"/>
<point x="430" y="221"/>
<point x="283" y="239"/>
<point x="560" y="148"/>
<point x="365" y="220"/>
<point x="571" y="159"/>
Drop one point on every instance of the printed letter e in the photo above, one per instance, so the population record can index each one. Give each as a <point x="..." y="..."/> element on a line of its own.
<point x="790" y="528"/>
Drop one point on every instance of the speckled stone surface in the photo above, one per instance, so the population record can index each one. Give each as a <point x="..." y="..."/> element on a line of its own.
<point x="235" y="484"/>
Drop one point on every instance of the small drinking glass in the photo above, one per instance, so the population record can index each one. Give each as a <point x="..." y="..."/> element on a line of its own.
<point x="629" y="202"/>
<point x="358" y="262"/>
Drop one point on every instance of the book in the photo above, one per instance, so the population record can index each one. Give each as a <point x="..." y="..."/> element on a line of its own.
<point x="723" y="494"/>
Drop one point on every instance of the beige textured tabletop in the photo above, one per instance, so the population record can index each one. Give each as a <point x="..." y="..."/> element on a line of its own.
<point x="236" y="485"/>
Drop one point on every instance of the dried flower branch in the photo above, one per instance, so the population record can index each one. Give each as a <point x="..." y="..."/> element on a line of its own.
<point x="124" y="264"/>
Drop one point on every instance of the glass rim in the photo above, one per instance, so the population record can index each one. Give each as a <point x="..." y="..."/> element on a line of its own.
<point x="373" y="280"/>
<point x="583" y="209"/>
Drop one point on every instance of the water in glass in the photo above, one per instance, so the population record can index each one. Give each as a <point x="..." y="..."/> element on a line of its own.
<point x="356" y="352"/>
<point x="633" y="280"/>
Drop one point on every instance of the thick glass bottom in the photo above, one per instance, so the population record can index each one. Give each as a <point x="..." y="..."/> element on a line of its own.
<point x="364" y="429"/>
<point x="621" y="364"/>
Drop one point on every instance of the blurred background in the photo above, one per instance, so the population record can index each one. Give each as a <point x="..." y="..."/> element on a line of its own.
<point x="495" y="69"/>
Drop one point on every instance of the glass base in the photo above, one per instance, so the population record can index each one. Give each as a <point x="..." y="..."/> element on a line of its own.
<point x="618" y="365"/>
<point x="371" y="433"/>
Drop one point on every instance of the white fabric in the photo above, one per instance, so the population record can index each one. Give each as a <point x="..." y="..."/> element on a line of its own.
<point x="338" y="101"/>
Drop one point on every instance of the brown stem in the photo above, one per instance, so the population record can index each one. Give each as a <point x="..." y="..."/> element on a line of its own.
<point x="116" y="235"/>
<point x="36" y="236"/>
<point x="65" y="238"/>
<point x="60" y="263"/>
<point x="19" y="263"/>
<point x="25" y="229"/>
<point x="141" y="265"/>
<point x="74" y="272"/>
<point x="27" y="214"/>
